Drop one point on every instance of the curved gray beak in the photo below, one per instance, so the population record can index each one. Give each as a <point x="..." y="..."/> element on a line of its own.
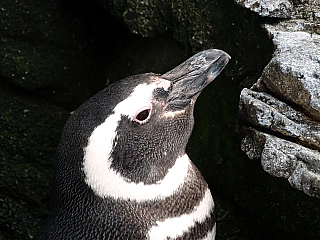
<point x="192" y="76"/>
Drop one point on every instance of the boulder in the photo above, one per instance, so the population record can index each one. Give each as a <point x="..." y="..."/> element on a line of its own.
<point x="50" y="48"/>
<point x="29" y="133"/>
<point x="284" y="9"/>
<point x="281" y="112"/>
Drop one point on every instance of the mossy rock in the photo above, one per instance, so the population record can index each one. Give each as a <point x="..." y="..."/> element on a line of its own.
<point x="30" y="131"/>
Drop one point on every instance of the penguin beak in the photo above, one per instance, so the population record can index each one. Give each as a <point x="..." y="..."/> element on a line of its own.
<point x="192" y="76"/>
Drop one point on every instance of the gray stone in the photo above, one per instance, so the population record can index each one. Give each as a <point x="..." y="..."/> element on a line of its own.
<point x="281" y="112"/>
<point x="293" y="75"/>
<point x="294" y="71"/>
<point x="286" y="159"/>
<point x="264" y="111"/>
<point x="294" y="9"/>
<point x="267" y="8"/>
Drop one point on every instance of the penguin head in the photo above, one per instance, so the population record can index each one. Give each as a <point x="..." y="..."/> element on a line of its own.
<point x="133" y="131"/>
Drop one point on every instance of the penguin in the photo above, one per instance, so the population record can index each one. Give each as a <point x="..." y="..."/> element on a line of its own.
<point x="122" y="171"/>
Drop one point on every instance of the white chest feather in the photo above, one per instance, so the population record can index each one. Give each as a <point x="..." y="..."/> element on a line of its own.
<point x="175" y="227"/>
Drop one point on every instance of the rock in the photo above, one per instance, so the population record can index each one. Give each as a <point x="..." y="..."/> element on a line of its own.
<point x="279" y="157"/>
<point x="42" y="43"/>
<point x="267" y="8"/>
<point x="264" y="111"/>
<point x="294" y="71"/>
<point x="29" y="133"/>
<point x="282" y="158"/>
<point x="294" y="9"/>
<point x="281" y="112"/>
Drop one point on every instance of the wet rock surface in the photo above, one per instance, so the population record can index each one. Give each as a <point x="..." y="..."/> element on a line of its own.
<point x="281" y="112"/>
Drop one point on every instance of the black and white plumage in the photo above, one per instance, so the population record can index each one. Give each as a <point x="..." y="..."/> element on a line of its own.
<point x="122" y="171"/>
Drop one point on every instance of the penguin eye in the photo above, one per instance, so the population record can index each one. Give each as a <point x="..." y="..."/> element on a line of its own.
<point x="143" y="115"/>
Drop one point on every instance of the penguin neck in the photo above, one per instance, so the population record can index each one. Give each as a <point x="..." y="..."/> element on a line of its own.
<point x="141" y="155"/>
<point x="106" y="182"/>
<point x="145" y="169"/>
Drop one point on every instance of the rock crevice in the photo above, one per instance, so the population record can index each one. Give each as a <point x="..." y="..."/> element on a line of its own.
<point x="280" y="114"/>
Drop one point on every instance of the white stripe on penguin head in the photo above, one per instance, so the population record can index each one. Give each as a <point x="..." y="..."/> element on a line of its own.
<point x="103" y="180"/>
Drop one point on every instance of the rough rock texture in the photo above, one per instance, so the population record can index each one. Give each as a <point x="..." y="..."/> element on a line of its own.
<point x="294" y="71"/>
<point x="282" y="158"/>
<point x="282" y="111"/>
<point x="198" y="25"/>
<point x="48" y="40"/>
<point x="294" y="9"/>
<point x="29" y="133"/>
<point x="267" y="8"/>
<point x="263" y="110"/>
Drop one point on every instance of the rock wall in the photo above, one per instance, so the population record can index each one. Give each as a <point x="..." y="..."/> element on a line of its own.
<point x="281" y="112"/>
<point x="29" y="132"/>
<point x="43" y="76"/>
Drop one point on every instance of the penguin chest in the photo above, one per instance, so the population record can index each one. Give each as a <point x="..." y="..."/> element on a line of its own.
<point x="180" y="206"/>
<point x="188" y="213"/>
<point x="193" y="220"/>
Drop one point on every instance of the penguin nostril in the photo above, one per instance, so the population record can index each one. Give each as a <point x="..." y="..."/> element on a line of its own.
<point x="143" y="115"/>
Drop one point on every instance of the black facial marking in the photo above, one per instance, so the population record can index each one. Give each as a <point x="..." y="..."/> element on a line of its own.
<point x="160" y="94"/>
<point x="145" y="152"/>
